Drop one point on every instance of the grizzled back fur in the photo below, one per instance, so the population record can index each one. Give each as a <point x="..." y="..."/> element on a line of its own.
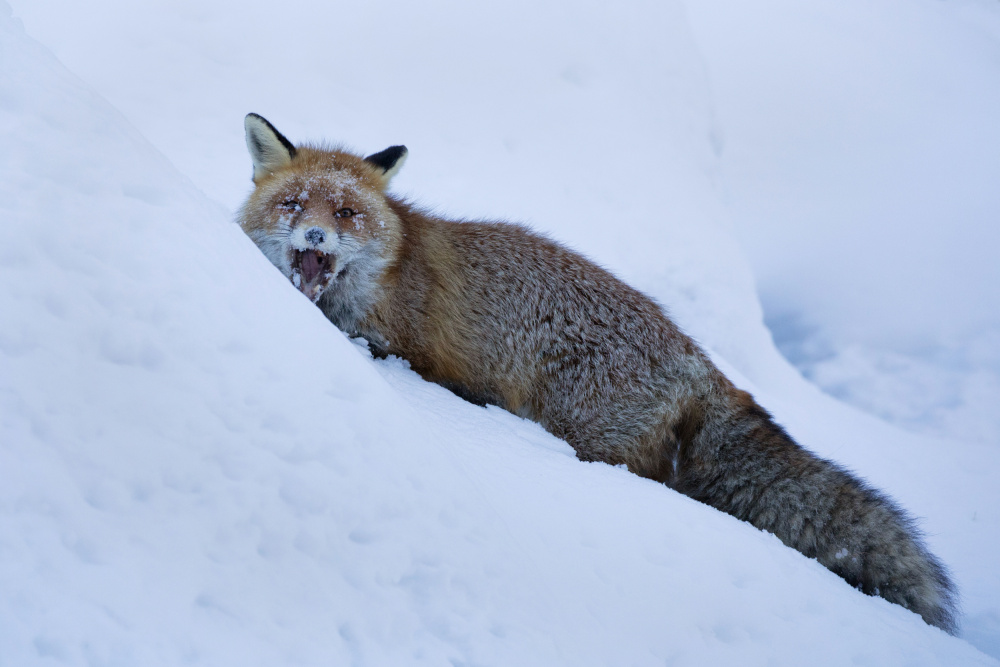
<point x="502" y="315"/>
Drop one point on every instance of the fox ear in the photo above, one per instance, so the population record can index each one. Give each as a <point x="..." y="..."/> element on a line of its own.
<point x="269" y="149"/>
<point x="390" y="161"/>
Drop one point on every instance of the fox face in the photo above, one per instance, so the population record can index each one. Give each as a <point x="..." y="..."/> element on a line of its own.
<point x="321" y="216"/>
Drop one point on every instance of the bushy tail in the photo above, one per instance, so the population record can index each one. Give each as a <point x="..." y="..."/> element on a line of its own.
<point x="742" y="463"/>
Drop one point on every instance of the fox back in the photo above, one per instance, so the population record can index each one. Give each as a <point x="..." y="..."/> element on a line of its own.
<point x="502" y="315"/>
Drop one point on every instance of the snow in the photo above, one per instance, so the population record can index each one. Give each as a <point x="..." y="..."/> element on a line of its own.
<point x="196" y="467"/>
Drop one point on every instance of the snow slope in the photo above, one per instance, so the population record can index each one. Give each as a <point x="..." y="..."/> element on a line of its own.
<point x="196" y="467"/>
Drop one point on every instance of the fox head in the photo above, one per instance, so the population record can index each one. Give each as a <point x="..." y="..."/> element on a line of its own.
<point x="322" y="217"/>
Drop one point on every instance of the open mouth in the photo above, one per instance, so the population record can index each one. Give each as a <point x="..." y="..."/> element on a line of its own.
<point x="312" y="272"/>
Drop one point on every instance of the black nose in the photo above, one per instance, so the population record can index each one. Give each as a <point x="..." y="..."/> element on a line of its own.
<point x="315" y="235"/>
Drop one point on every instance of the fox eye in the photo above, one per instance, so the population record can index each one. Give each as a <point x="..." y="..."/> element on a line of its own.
<point x="292" y="205"/>
<point x="345" y="212"/>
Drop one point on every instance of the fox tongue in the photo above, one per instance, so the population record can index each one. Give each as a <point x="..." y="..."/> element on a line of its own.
<point x="312" y="272"/>
<point x="311" y="265"/>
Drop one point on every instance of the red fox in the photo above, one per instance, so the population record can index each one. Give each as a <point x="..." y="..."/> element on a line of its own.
<point x="502" y="315"/>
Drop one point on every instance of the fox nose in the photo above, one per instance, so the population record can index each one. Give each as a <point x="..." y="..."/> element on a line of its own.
<point x="315" y="235"/>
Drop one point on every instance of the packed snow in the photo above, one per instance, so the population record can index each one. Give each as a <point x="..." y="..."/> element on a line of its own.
<point x="196" y="467"/>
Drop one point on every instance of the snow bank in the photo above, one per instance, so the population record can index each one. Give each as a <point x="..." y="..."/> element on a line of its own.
<point x="196" y="467"/>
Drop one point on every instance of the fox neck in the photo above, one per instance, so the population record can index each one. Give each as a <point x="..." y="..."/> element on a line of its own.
<point x="396" y="300"/>
<point x="355" y="292"/>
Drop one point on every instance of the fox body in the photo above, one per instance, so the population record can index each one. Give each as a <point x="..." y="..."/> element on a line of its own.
<point x="502" y="315"/>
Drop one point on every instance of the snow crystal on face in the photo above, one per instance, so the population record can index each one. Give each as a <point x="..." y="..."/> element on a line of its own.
<point x="340" y="187"/>
<point x="841" y="554"/>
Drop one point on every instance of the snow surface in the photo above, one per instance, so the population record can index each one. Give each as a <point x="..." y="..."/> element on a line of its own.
<point x="196" y="467"/>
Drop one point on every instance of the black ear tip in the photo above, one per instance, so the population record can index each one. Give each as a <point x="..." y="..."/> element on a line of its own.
<point x="388" y="158"/>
